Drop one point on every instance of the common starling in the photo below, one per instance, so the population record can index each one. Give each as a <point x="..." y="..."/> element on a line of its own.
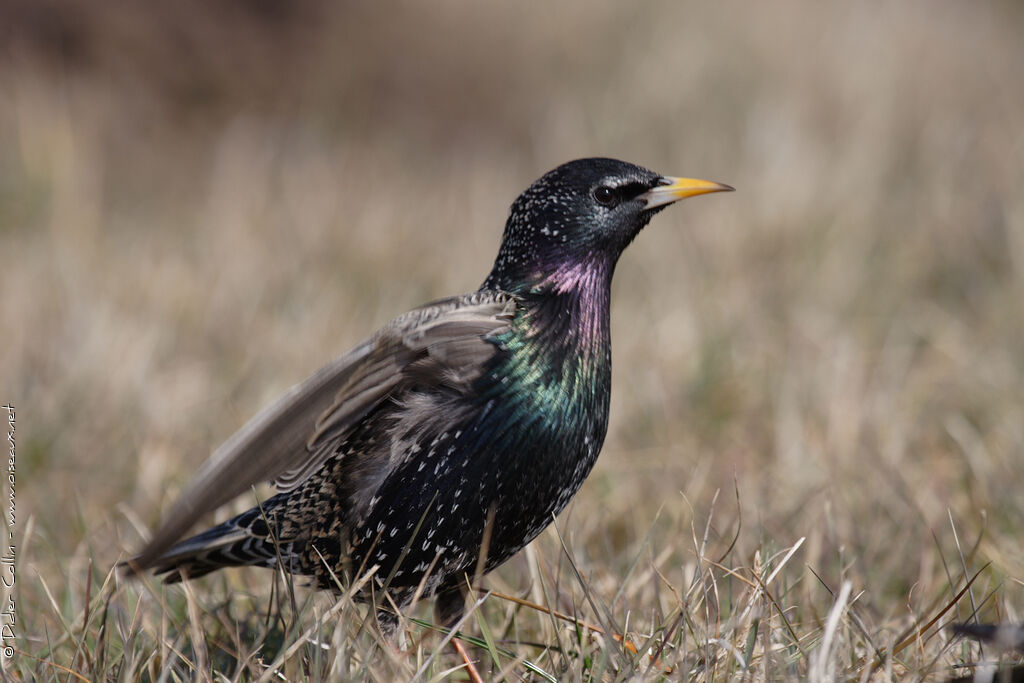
<point x="476" y="415"/>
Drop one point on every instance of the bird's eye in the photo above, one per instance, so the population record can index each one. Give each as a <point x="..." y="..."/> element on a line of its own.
<point x="605" y="196"/>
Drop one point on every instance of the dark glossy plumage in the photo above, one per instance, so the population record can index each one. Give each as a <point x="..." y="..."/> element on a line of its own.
<point x="488" y="405"/>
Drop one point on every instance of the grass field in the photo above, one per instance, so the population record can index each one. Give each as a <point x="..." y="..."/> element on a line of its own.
<point x="817" y="432"/>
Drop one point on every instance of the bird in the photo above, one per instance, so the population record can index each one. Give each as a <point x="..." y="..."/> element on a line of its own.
<point x="449" y="439"/>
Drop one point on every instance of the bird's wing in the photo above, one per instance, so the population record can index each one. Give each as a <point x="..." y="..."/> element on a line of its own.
<point x="441" y="342"/>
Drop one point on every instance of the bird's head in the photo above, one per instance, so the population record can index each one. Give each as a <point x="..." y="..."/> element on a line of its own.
<point x="582" y="214"/>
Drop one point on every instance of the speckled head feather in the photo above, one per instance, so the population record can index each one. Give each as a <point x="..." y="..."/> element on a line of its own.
<point x="585" y="212"/>
<point x="487" y="406"/>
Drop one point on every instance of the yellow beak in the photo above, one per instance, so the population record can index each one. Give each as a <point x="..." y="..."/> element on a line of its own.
<point x="674" y="189"/>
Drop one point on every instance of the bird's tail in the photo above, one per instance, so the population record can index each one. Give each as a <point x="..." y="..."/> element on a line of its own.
<point x="250" y="539"/>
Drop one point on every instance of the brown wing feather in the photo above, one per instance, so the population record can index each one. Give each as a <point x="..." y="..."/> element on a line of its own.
<point x="286" y="442"/>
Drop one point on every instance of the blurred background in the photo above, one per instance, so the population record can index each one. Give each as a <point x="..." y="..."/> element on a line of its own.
<point x="201" y="203"/>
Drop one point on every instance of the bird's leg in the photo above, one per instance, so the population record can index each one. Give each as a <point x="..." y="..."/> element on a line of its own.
<point x="387" y="622"/>
<point x="449" y="606"/>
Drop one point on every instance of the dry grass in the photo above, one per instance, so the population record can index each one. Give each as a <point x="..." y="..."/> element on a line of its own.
<point x="818" y="418"/>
